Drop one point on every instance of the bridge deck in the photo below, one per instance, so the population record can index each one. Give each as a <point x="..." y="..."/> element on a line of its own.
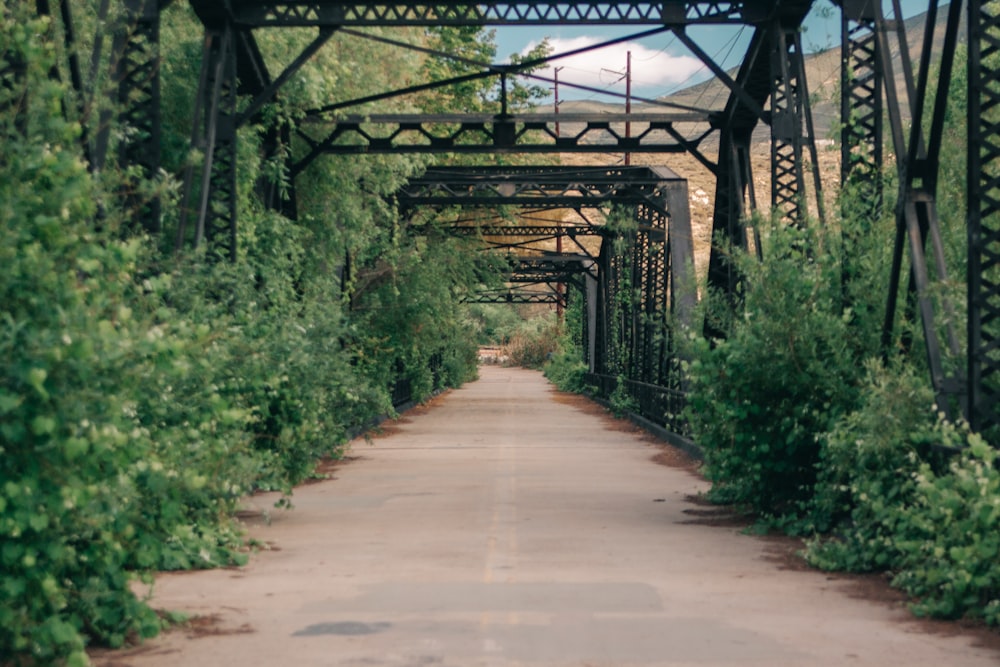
<point x="507" y="525"/>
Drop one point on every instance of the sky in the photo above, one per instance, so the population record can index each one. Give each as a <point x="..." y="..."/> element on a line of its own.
<point x="661" y="65"/>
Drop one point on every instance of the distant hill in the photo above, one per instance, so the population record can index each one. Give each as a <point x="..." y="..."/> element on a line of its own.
<point x="822" y="75"/>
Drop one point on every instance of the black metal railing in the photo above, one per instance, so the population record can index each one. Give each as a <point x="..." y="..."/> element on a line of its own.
<point x="663" y="406"/>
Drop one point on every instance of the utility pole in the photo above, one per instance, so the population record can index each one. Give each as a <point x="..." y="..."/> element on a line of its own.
<point x="628" y="97"/>
<point x="559" y="286"/>
<point x="556" y="89"/>
<point x="628" y="102"/>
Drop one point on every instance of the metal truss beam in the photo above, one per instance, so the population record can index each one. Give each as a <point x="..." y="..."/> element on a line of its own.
<point x="646" y="292"/>
<point x="549" y="268"/>
<point x="546" y="187"/>
<point x="484" y="133"/>
<point x="526" y="231"/>
<point x="517" y="296"/>
<point x="300" y="13"/>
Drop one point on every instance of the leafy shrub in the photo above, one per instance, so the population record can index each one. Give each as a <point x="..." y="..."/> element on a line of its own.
<point x="120" y="449"/>
<point x="567" y="370"/>
<point x="65" y="512"/>
<point x="896" y="504"/>
<point x="786" y="372"/>
<point x="948" y="538"/>
<point x="534" y="343"/>
<point x="866" y="471"/>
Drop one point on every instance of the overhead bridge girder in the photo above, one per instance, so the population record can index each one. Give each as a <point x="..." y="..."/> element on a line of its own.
<point x="304" y="13"/>
<point x="537" y="187"/>
<point x="531" y="133"/>
<point x="527" y="231"/>
<point x="550" y="268"/>
<point x="517" y="297"/>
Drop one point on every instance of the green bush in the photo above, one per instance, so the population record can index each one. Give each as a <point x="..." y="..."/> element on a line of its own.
<point x="866" y="471"/>
<point x="535" y="341"/>
<point x="103" y="428"/>
<point x="934" y="523"/>
<point x="786" y="372"/>
<point x="567" y="370"/>
<point x="948" y="537"/>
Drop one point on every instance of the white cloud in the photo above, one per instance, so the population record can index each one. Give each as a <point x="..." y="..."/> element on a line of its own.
<point x="601" y="68"/>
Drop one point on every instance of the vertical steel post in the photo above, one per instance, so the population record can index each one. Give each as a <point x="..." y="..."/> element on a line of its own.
<point x="728" y="230"/>
<point x="628" y="103"/>
<point x="733" y="172"/>
<point x="916" y="209"/>
<point x="983" y="382"/>
<point x="791" y="128"/>
<point x="135" y="71"/>
<point x="861" y="136"/>
<point x="138" y="74"/>
<point x="215" y="135"/>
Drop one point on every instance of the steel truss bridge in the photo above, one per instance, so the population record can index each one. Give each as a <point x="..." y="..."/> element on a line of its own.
<point x="769" y="90"/>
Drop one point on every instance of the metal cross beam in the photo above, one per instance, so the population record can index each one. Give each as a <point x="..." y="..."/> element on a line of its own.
<point x="488" y="133"/>
<point x="549" y="268"/>
<point x="299" y="13"/>
<point x="517" y="296"/>
<point x="548" y="187"/>
<point x="522" y="231"/>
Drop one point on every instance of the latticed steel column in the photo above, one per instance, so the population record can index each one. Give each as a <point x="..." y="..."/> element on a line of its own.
<point x="137" y="71"/>
<point x="791" y="128"/>
<point x="650" y="303"/>
<point x="861" y="104"/>
<point x="861" y="135"/>
<point x="605" y="361"/>
<point x="734" y="180"/>
<point x="984" y="215"/>
<point x="215" y="134"/>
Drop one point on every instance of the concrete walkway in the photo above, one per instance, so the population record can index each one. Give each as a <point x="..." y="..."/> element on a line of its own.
<point x="506" y="525"/>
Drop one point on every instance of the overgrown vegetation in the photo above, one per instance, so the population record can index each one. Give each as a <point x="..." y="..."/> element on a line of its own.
<point x="143" y="392"/>
<point x="806" y="423"/>
<point x="760" y="396"/>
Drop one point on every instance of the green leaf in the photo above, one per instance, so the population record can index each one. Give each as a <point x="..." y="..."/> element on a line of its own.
<point x="9" y="402"/>
<point x="36" y="380"/>
<point x="43" y="425"/>
<point x="38" y="522"/>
